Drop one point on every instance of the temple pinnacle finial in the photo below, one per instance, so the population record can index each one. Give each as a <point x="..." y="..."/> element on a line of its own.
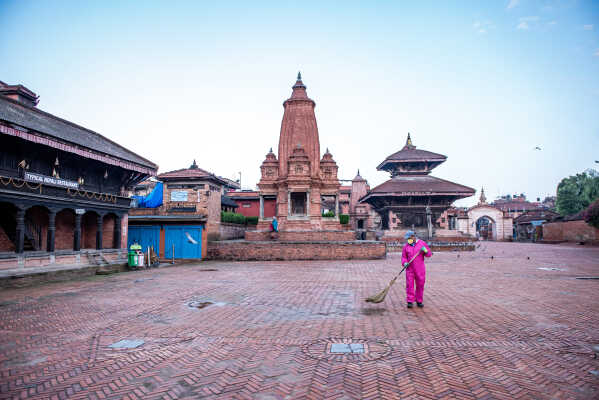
<point x="409" y="144"/>
<point x="483" y="198"/>
<point x="194" y="165"/>
<point x="299" y="76"/>
<point x="358" y="171"/>
<point x="270" y="151"/>
<point x="327" y="152"/>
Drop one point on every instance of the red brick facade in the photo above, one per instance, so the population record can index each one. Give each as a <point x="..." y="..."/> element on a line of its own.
<point x="5" y="243"/>
<point x="65" y="228"/>
<point x="262" y="251"/>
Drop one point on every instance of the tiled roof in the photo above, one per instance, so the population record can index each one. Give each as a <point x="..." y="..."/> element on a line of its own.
<point x="536" y="215"/>
<point x="406" y="185"/>
<point x="36" y="120"/>
<point x="190" y="173"/>
<point x="245" y="195"/>
<point x="227" y="201"/>
<point x="415" y="155"/>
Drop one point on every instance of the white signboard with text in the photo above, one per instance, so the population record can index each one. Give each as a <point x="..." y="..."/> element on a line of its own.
<point x="178" y="195"/>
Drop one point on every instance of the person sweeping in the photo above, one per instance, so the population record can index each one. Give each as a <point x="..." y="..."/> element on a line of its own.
<point x="412" y="259"/>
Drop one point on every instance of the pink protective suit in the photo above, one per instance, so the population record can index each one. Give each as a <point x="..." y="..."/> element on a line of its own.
<point x="416" y="270"/>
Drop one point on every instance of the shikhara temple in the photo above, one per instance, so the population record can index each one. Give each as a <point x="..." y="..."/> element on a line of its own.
<point x="300" y="182"/>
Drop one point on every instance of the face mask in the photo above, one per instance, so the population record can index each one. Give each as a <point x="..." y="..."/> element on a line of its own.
<point x="410" y="241"/>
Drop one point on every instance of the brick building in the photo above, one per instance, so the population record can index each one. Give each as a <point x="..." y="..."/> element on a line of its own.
<point x="63" y="187"/>
<point x="188" y="215"/>
<point x="516" y="205"/>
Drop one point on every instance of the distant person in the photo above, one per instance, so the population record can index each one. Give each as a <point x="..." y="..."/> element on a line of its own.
<point x="274" y="225"/>
<point x="415" y="271"/>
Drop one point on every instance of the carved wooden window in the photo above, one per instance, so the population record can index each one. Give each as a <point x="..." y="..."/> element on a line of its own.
<point x="328" y="172"/>
<point x="270" y="172"/>
<point x="299" y="169"/>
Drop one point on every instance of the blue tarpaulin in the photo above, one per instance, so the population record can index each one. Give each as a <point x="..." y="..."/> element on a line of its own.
<point x="153" y="200"/>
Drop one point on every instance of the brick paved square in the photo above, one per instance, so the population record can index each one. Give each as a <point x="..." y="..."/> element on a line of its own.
<point x="492" y="328"/>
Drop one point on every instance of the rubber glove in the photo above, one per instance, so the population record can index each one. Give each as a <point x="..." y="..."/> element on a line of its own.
<point x="424" y="250"/>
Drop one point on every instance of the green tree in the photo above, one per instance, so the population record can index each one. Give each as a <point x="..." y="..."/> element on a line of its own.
<point x="577" y="192"/>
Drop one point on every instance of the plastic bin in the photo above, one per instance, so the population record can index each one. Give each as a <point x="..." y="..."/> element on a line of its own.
<point x="132" y="259"/>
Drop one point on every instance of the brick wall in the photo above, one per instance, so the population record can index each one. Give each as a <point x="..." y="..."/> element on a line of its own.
<point x="264" y="251"/>
<point x="108" y="231"/>
<point x="231" y="231"/>
<point x="571" y="231"/>
<point x="303" y="236"/>
<point x="65" y="228"/>
<point x="5" y="243"/>
<point x="89" y="227"/>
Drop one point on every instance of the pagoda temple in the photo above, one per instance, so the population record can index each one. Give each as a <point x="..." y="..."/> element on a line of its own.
<point x="412" y="198"/>
<point x="303" y="184"/>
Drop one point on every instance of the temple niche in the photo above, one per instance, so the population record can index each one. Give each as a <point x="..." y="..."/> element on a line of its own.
<point x="412" y="198"/>
<point x="304" y="185"/>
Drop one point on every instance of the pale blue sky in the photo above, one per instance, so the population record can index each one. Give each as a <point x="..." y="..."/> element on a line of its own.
<point x="482" y="82"/>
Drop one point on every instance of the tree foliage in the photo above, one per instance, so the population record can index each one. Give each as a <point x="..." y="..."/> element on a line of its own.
<point x="577" y="192"/>
<point x="591" y="214"/>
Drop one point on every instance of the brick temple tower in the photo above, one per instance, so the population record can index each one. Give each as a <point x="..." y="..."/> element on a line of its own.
<point x="303" y="184"/>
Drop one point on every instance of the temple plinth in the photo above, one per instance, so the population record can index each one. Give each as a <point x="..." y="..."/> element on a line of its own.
<point x="304" y="185"/>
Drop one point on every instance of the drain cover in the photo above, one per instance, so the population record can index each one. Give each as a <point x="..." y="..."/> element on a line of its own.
<point x="127" y="344"/>
<point x="347" y="349"/>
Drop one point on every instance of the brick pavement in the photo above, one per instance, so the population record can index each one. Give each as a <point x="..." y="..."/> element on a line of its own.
<point x="491" y="329"/>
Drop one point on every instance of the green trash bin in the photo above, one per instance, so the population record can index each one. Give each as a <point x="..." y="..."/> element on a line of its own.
<point x="132" y="259"/>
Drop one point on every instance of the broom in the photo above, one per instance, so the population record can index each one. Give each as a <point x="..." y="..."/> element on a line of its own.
<point x="378" y="298"/>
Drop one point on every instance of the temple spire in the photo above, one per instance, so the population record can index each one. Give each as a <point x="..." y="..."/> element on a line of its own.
<point x="409" y="144"/>
<point x="299" y="84"/>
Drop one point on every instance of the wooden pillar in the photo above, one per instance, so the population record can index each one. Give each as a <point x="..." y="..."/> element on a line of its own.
<point x="99" y="233"/>
<point x="20" y="231"/>
<point x="51" y="230"/>
<point x="77" y="233"/>
<point x="117" y="232"/>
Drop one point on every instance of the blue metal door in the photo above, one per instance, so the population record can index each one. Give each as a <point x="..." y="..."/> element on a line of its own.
<point x="146" y="236"/>
<point x="185" y="239"/>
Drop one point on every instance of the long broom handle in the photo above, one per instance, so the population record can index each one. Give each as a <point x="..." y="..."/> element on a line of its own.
<point x="409" y="262"/>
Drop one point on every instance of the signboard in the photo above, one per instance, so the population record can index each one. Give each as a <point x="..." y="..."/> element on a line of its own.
<point x="50" y="180"/>
<point x="79" y="211"/>
<point x="178" y="195"/>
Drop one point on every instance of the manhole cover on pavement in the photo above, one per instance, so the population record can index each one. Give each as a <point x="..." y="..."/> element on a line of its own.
<point x="127" y="344"/>
<point x="347" y="349"/>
